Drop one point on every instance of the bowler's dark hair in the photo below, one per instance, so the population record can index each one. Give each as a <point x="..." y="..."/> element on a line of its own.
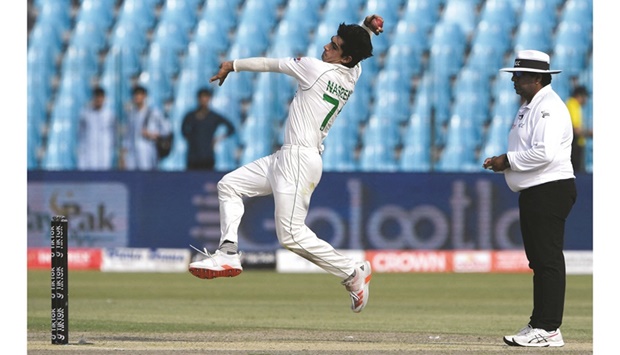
<point x="356" y="43"/>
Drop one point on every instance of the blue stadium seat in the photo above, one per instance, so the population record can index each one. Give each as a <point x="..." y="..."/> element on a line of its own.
<point x="163" y="58"/>
<point x="225" y="152"/>
<point x="357" y="107"/>
<point x="141" y="13"/>
<point x="438" y="91"/>
<point x="393" y="104"/>
<point x="391" y="92"/>
<point x="533" y="35"/>
<point x="98" y="12"/>
<point x="89" y="34"/>
<point x="124" y="60"/>
<point x="303" y="13"/>
<point x="411" y="34"/>
<point x="462" y="132"/>
<point x="222" y="13"/>
<point x="202" y="59"/>
<point x="578" y="11"/>
<point x="490" y="34"/>
<point x="419" y="130"/>
<point x="253" y="34"/>
<point x="485" y="59"/>
<point x="574" y="34"/>
<point x="499" y="12"/>
<point x="128" y="34"/>
<point x="424" y="14"/>
<point x="228" y="105"/>
<point x="45" y="35"/>
<point x="470" y="80"/>
<point x="585" y="77"/>
<point x="57" y="13"/>
<point x="187" y="85"/>
<point x="180" y="12"/>
<point x="36" y="121"/>
<point x="60" y="151"/>
<point x="260" y="12"/>
<point x="117" y="87"/>
<point x="447" y="49"/>
<point x="272" y="95"/>
<point x="497" y="140"/>
<point x="404" y="58"/>
<point x="158" y="85"/>
<point x="463" y="13"/>
<point x="41" y="66"/>
<point x="73" y="85"/>
<point x="473" y="108"/>
<point x="82" y="60"/>
<point x="256" y="135"/>
<point x="338" y="11"/>
<point x="459" y="154"/>
<point x="171" y="35"/>
<point x="541" y="12"/>
<point x="570" y="59"/>
<point x="381" y="130"/>
<point x="506" y="103"/>
<point x="415" y="157"/>
<point x="291" y="36"/>
<point x="377" y="157"/>
<point x="209" y="34"/>
<point x="446" y="60"/>
<point x="340" y="145"/>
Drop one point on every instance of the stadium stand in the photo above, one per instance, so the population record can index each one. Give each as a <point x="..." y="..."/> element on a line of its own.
<point x="430" y="99"/>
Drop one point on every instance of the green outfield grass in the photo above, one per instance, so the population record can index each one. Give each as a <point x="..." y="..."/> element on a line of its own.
<point x="485" y="305"/>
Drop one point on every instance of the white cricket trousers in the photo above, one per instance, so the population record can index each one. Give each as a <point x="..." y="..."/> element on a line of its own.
<point x="291" y="174"/>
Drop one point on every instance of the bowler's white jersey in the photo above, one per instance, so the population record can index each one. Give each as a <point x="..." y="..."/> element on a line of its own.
<point x="323" y="90"/>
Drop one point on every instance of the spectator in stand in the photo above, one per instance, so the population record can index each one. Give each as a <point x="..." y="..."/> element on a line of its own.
<point x="198" y="128"/>
<point x="576" y="101"/>
<point x="145" y="124"/>
<point x="97" y="134"/>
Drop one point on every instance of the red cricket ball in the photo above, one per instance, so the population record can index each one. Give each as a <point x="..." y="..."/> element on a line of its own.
<point x="377" y="23"/>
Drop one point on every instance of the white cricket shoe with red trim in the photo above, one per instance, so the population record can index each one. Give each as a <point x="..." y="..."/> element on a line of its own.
<point x="215" y="265"/>
<point x="358" y="286"/>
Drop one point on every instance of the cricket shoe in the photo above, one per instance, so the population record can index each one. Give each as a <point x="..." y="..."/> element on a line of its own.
<point x="539" y="338"/>
<point x="358" y="286"/>
<point x="215" y="265"/>
<point x="523" y="331"/>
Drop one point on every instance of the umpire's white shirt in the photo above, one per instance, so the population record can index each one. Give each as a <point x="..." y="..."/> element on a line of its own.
<point x="539" y="142"/>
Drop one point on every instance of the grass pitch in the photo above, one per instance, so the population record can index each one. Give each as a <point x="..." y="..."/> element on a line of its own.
<point x="263" y="312"/>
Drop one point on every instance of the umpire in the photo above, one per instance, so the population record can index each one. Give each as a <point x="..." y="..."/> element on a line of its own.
<point x="538" y="166"/>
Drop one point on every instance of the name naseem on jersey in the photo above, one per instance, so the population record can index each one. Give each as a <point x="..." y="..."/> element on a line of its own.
<point x="338" y="90"/>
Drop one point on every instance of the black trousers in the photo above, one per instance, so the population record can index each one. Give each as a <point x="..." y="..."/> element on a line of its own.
<point x="543" y="210"/>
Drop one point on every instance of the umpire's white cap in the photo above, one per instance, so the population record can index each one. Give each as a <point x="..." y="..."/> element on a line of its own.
<point x="531" y="61"/>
